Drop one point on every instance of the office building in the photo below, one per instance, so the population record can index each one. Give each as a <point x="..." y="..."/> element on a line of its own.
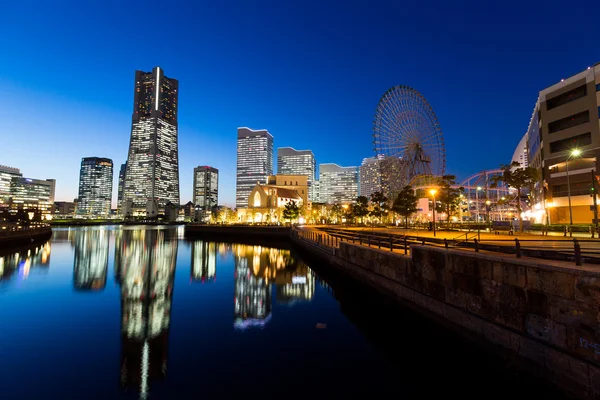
<point x="370" y="176"/>
<point x="32" y="195"/>
<point x="6" y="176"/>
<point x="64" y="209"/>
<point x="297" y="162"/>
<point x="563" y="140"/>
<point x="152" y="172"/>
<point x="206" y="191"/>
<point x="95" y="187"/>
<point x="121" y="187"/>
<point x="338" y="185"/>
<point x="254" y="162"/>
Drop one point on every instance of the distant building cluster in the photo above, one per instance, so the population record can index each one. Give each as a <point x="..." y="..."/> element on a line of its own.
<point x="33" y="197"/>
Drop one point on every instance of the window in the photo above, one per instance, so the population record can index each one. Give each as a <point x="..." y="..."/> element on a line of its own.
<point x="571" y="143"/>
<point x="567" y="97"/>
<point x="598" y="87"/>
<point x="569" y="122"/>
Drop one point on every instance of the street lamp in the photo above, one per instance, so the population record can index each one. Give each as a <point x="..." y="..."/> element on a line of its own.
<point x="477" y="201"/>
<point x="574" y="153"/>
<point x="487" y="209"/>
<point x="433" y="192"/>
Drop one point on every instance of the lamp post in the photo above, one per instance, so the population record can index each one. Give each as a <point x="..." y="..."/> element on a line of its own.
<point x="487" y="209"/>
<point x="477" y="201"/>
<point x="433" y="192"/>
<point x="574" y="153"/>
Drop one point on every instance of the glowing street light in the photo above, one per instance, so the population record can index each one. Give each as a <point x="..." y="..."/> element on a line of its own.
<point x="573" y="153"/>
<point x="433" y="192"/>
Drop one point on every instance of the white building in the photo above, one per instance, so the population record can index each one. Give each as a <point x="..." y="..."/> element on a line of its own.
<point x="338" y="185"/>
<point x="254" y="162"/>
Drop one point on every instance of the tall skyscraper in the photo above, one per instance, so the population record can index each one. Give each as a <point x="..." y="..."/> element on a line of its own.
<point x="206" y="189"/>
<point x="338" y="185"/>
<point x="95" y="186"/>
<point x="254" y="162"/>
<point x="297" y="162"/>
<point x="121" y="187"/>
<point x="152" y="174"/>
<point x="370" y="176"/>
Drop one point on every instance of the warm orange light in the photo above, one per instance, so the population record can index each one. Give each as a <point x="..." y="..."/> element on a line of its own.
<point x="433" y="192"/>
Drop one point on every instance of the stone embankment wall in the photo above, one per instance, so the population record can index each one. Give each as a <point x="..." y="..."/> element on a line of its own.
<point x="244" y="233"/>
<point x="547" y="315"/>
<point x="13" y="238"/>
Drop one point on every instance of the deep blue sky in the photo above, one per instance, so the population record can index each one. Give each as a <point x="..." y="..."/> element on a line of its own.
<point x="310" y="72"/>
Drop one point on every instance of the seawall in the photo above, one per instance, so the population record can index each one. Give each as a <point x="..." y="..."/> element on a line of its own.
<point x="275" y="235"/>
<point x="16" y="238"/>
<point x="545" y="316"/>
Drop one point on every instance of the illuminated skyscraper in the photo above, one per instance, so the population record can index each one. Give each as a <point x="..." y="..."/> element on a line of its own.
<point x="152" y="174"/>
<point x="32" y="194"/>
<point x="254" y="162"/>
<point x="95" y="186"/>
<point x="206" y="190"/>
<point x="121" y="186"/>
<point x="297" y="162"/>
<point x="338" y="185"/>
<point x="370" y="176"/>
<point x="6" y="175"/>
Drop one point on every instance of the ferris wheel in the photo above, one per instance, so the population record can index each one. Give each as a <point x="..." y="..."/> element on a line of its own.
<point x="406" y="129"/>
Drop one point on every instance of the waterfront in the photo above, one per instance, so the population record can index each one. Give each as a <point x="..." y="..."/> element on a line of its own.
<point x="107" y="312"/>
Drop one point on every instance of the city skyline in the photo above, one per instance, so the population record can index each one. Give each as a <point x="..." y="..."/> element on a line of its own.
<point x="319" y="93"/>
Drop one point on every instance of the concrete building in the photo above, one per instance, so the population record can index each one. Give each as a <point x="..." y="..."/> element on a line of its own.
<point x="566" y="118"/>
<point x="95" y="187"/>
<point x="32" y="195"/>
<point x="206" y="191"/>
<point x="152" y="173"/>
<point x="520" y="154"/>
<point x="64" y="209"/>
<point x="6" y="176"/>
<point x="297" y="162"/>
<point x="338" y="185"/>
<point x="254" y="162"/>
<point x="370" y="176"/>
<point x="121" y="187"/>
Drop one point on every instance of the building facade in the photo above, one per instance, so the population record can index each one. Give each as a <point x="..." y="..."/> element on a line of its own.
<point x="95" y="187"/>
<point x="338" y="185"/>
<point x="564" y="142"/>
<point x="369" y="176"/>
<point x="121" y="187"/>
<point x="206" y="190"/>
<point x="297" y="162"/>
<point x="32" y="195"/>
<point x="6" y="176"/>
<point x="297" y="183"/>
<point x="152" y="172"/>
<point x="64" y="209"/>
<point x="254" y="162"/>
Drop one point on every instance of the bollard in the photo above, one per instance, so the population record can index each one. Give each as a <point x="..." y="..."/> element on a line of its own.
<point x="517" y="248"/>
<point x="405" y="245"/>
<point x="446" y="243"/>
<point x="476" y="245"/>
<point x="577" y="249"/>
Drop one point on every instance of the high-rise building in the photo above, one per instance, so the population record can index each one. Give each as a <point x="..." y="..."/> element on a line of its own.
<point x="297" y="162"/>
<point x="566" y="118"/>
<point x="95" y="187"/>
<point x="370" y="176"/>
<point x="33" y="195"/>
<point x="338" y="184"/>
<point x="152" y="173"/>
<point x="6" y="176"/>
<point x="121" y="187"/>
<point x="206" y="190"/>
<point x="254" y="162"/>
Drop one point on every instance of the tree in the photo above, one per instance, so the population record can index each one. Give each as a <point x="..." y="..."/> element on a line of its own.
<point x="336" y="211"/>
<point x="513" y="175"/>
<point x="448" y="198"/>
<point x="361" y="208"/>
<point x="405" y="204"/>
<point x="380" y="205"/>
<point x="291" y="211"/>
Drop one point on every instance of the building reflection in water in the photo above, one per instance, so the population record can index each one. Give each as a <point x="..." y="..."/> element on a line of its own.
<point x="21" y="263"/>
<point x="256" y="268"/>
<point x="146" y="274"/>
<point x="204" y="261"/>
<point x="91" y="259"/>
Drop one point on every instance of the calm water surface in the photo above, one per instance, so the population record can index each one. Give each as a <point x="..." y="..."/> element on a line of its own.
<point x="103" y="313"/>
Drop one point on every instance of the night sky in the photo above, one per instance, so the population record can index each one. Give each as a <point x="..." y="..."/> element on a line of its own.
<point x="309" y="72"/>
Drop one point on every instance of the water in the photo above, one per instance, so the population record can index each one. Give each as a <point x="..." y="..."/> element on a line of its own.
<point x="104" y="313"/>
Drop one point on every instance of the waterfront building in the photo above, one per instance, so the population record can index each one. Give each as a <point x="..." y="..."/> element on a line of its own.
<point x="95" y="187"/>
<point x="566" y="118"/>
<point x="64" y="209"/>
<point x="297" y="183"/>
<point x="152" y="172"/>
<point x="338" y="185"/>
<point x="32" y="195"/>
<point x="121" y="187"/>
<point x="6" y="176"/>
<point x="370" y="176"/>
<point x="206" y="191"/>
<point x="266" y="203"/>
<point x="254" y="162"/>
<point x="297" y="162"/>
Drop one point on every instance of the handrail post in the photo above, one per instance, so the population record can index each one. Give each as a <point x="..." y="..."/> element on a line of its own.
<point x="391" y="243"/>
<point x="577" y="249"/>
<point x="446" y="243"/>
<point x="405" y="245"/>
<point x="476" y="245"/>
<point x="423" y="242"/>
<point x="379" y="242"/>
<point x="517" y="247"/>
<point x="369" y="241"/>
